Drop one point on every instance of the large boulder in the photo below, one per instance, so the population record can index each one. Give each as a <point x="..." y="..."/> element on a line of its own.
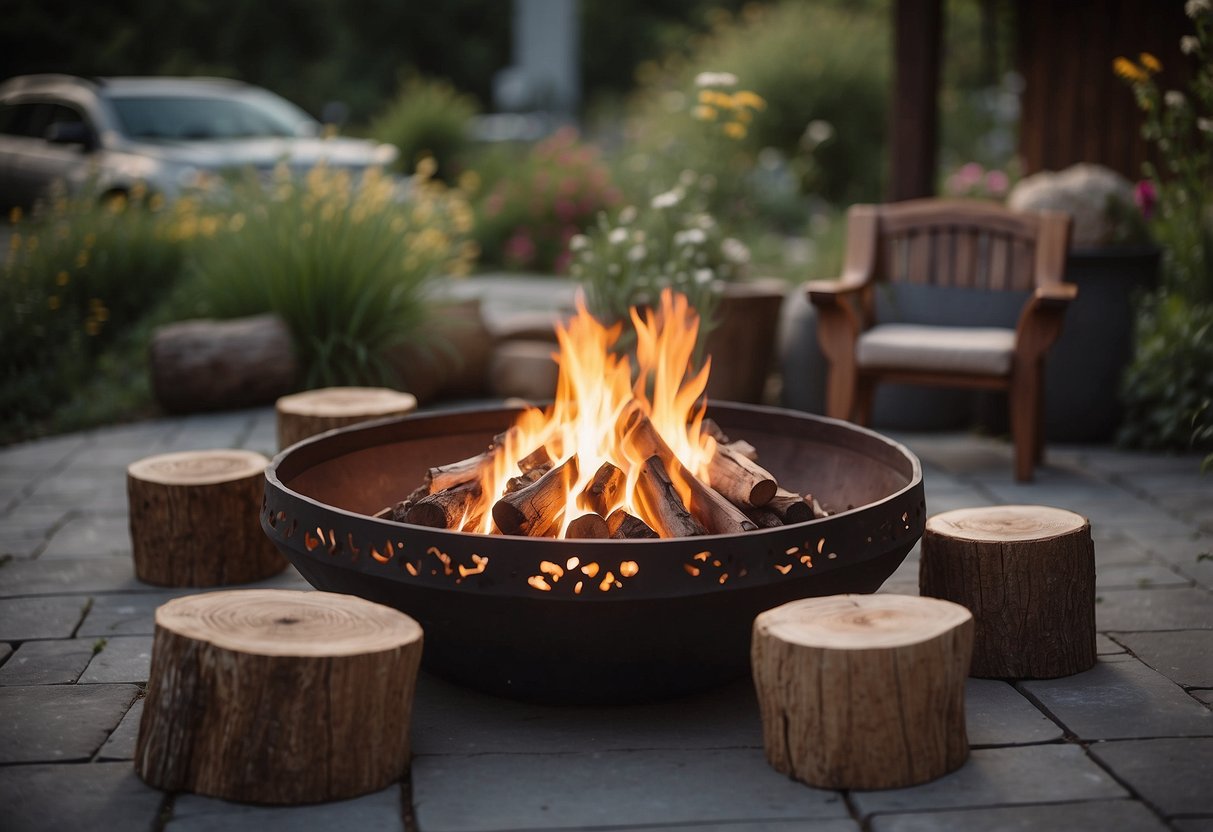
<point x="1099" y="200"/>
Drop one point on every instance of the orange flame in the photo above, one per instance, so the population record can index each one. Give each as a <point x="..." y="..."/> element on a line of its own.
<point x="596" y="392"/>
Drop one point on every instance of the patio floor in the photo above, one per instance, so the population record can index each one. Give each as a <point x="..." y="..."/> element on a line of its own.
<point x="1126" y="746"/>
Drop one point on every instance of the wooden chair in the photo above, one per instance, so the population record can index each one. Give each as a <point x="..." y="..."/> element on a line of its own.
<point x="946" y="243"/>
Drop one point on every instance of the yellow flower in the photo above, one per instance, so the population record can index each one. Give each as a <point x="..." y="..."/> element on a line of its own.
<point x="469" y="181"/>
<point x="426" y="168"/>
<point x="90" y="240"/>
<point x="704" y="113"/>
<point x="236" y="222"/>
<point x="92" y="327"/>
<point x="81" y="259"/>
<point x="745" y="98"/>
<point x="14" y="242"/>
<point x="1150" y="62"/>
<point x="1128" y="70"/>
<point x="735" y="130"/>
<point x="14" y="214"/>
<point x="62" y="278"/>
<point x="53" y="302"/>
<point x="156" y="202"/>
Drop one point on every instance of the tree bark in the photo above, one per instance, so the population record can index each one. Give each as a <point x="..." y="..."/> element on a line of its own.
<point x="194" y="519"/>
<point x="274" y="696"/>
<point x="314" y="411"/>
<point x="863" y="691"/>
<point x="1028" y="575"/>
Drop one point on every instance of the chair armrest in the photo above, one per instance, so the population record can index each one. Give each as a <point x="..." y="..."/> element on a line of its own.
<point x="823" y="292"/>
<point x="1040" y="323"/>
<point x="1055" y="293"/>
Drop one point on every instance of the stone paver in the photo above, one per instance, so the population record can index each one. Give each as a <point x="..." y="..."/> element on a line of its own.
<point x="45" y="617"/>
<point x="1119" y="698"/>
<point x="1172" y="774"/>
<point x="121" y="744"/>
<point x="1105" y="646"/>
<point x="1205" y="696"/>
<point x="1137" y="576"/>
<point x="1153" y="609"/>
<point x="48" y="662"/>
<point x="1123" y="815"/>
<point x="93" y="536"/>
<point x="59" y="723"/>
<point x="6" y="650"/>
<point x="54" y="576"/>
<point x="608" y="788"/>
<point x="1185" y="657"/>
<point x="1000" y="777"/>
<point x="378" y="812"/>
<point x="125" y="614"/>
<point x="121" y="659"/>
<point x="997" y="714"/>
<point x="92" y="796"/>
<point x="814" y="825"/>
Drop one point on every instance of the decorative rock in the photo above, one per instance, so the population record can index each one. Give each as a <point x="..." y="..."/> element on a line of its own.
<point x="863" y="691"/>
<point x="276" y="696"/>
<point x="314" y="411"/>
<point x="194" y="519"/>
<point x="1028" y="575"/>
<point x="1084" y="191"/>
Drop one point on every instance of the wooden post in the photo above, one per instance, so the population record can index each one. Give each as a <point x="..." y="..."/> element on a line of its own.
<point x="1028" y="575"/>
<point x="276" y="696"/>
<point x="863" y="691"/>
<point x="305" y="414"/>
<point x="194" y="519"/>
<point x="916" y="46"/>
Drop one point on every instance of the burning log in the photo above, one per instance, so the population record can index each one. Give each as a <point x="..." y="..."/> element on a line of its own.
<point x="588" y="527"/>
<point x="603" y="489"/>
<point x="743" y="448"/>
<point x="447" y="509"/>
<point x="523" y="480"/>
<point x="791" y="508"/>
<point x="624" y="526"/>
<point x="764" y="518"/>
<point x="442" y="477"/>
<point x="661" y="502"/>
<point x="536" y="460"/>
<point x="742" y="481"/>
<point x="712" y="510"/>
<point x="535" y="508"/>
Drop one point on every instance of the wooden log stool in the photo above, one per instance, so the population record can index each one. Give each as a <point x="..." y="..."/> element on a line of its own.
<point x="305" y="414"/>
<point x="863" y="691"/>
<point x="194" y="519"/>
<point x="1028" y="575"/>
<point x="278" y="696"/>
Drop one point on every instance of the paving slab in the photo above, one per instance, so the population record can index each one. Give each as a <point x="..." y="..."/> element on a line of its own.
<point x="41" y="454"/>
<point x="448" y="719"/>
<point x="1181" y="608"/>
<point x="1001" y="777"/>
<point x="814" y="825"/>
<point x="1171" y="774"/>
<point x="997" y="714"/>
<point x="1105" y="646"/>
<point x="70" y="576"/>
<point x="103" y="492"/>
<point x="609" y="788"/>
<point x="1120" y="698"/>
<point x="126" y="614"/>
<point x="59" y="723"/>
<point x="120" y="659"/>
<point x="48" y="662"/>
<point x="6" y="650"/>
<point x="92" y="536"/>
<point x="1184" y="656"/>
<point x="1121" y="815"/>
<point x="50" y="616"/>
<point x="70" y="797"/>
<point x="121" y="744"/>
<point x="1132" y="576"/>
<point x="1205" y="696"/>
<point x="378" y="812"/>
<point x="1193" y="824"/>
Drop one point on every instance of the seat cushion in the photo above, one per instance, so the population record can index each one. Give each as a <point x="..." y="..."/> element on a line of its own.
<point x="946" y="349"/>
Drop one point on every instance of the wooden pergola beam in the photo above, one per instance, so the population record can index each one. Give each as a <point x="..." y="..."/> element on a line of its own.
<point x="917" y="35"/>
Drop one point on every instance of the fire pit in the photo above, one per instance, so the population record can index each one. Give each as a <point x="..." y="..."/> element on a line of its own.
<point x="624" y="620"/>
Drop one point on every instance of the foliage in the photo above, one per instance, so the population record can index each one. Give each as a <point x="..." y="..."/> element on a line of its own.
<point x="344" y="262"/>
<point x="427" y="118"/>
<point x="79" y="272"/>
<point x="822" y="70"/>
<point x="670" y="242"/>
<point x="527" y="218"/>
<point x="1169" y="386"/>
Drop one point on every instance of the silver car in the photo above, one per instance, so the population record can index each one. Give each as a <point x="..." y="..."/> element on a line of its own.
<point x="164" y="132"/>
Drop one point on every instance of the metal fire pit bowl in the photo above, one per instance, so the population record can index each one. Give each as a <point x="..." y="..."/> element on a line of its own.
<point x="672" y="616"/>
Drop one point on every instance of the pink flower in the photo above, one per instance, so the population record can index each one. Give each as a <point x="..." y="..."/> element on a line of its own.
<point x="1146" y="197"/>
<point x="520" y="248"/>
<point x="997" y="182"/>
<point x="566" y="210"/>
<point x="970" y="174"/>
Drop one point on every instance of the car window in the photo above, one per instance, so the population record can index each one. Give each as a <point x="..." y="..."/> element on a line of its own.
<point x="189" y="117"/>
<point x="21" y="119"/>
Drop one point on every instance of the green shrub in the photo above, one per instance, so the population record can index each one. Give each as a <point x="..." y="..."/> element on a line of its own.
<point x="427" y="118"/>
<point x="78" y="274"/>
<point x="526" y="219"/>
<point x="345" y="263"/>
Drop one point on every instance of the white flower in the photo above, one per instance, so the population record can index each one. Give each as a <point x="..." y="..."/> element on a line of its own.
<point x="627" y="216"/>
<point x="636" y="253"/>
<point x="687" y="178"/>
<point x="613" y="269"/>
<point x="691" y="236"/>
<point x="579" y="242"/>
<point x="1205" y="125"/>
<point x="1189" y="44"/>
<point x="817" y="132"/>
<point x="618" y="236"/>
<point x="1193" y="8"/>
<point x="667" y="200"/>
<point x="705" y="221"/>
<point x="1174" y="98"/>
<point x="717" y="79"/>
<point x="734" y="250"/>
<point x="703" y="276"/>
<point x="638" y="236"/>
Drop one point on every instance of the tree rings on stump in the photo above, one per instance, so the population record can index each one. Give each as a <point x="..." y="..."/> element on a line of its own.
<point x="1028" y="575"/>
<point x="863" y="691"/>
<point x="277" y="696"/>
<point x="194" y="519"/>
<point x="305" y="414"/>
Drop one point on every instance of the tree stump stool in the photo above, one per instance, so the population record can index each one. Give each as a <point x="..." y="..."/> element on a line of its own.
<point x="277" y="696"/>
<point x="305" y="414"/>
<point x="1028" y="575"/>
<point x="194" y="519"/>
<point x="863" y="691"/>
